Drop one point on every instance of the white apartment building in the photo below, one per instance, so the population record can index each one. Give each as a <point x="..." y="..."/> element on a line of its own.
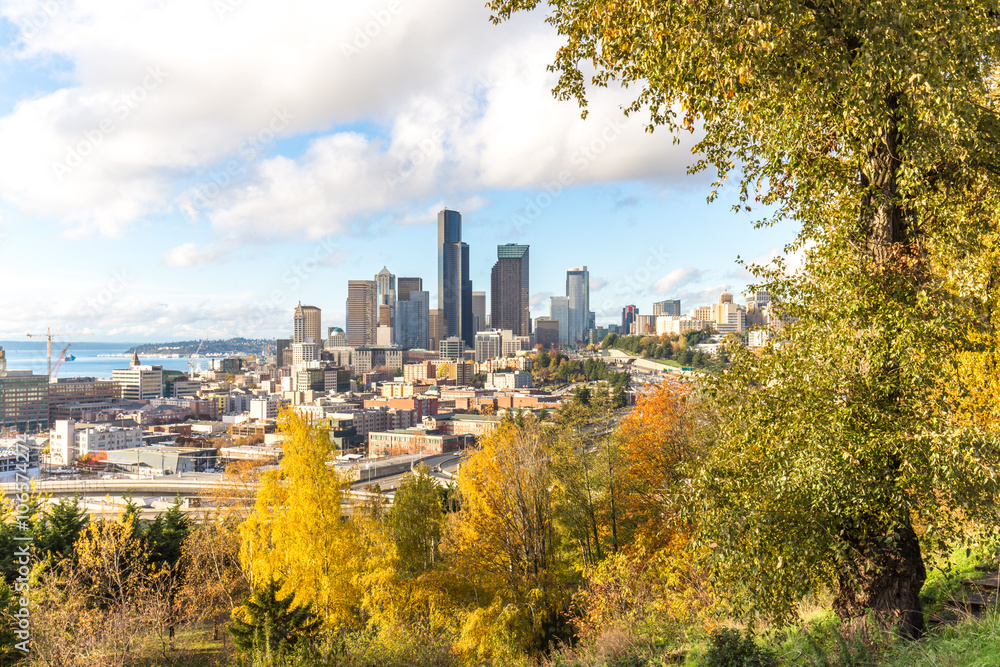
<point x="264" y="408"/>
<point x="69" y="440"/>
<point x="509" y="380"/>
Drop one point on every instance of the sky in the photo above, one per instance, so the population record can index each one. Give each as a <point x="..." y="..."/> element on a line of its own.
<point x="190" y="169"/>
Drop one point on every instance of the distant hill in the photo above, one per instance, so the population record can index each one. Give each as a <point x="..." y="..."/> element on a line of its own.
<point x="232" y="346"/>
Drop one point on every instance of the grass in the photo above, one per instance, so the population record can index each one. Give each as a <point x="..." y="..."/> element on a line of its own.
<point x="971" y="643"/>
<point x="944" y="578"/>
<point x="192" y="647"/>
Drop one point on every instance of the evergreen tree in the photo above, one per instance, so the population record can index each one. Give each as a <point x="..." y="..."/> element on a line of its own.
<point x="64" y="522"/>
<point x="267" y="627"/>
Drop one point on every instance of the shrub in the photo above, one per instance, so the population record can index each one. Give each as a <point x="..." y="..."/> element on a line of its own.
<point x="729" y="648"/>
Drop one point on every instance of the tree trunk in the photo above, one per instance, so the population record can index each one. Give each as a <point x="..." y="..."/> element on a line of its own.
<point x="884" y="571"/>
<point x="885" y="579"/>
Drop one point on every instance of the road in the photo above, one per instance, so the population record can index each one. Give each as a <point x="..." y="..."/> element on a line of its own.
<point x="442" y="467"/>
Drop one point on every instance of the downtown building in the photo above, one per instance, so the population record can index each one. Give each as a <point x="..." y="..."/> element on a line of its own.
<point x="362" y="312"/>
<point x="578" y="294"/>
<point x="307" y="324"/>
<point x="454" y="285"/>
<point x="510" y="289"/>
<point x="412" y="317"/>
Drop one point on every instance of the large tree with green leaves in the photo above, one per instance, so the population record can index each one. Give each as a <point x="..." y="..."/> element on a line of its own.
<point x="874" y="127"/>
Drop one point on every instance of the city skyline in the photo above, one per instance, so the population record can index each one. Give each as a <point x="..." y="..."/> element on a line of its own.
<point x="160" y="213"/>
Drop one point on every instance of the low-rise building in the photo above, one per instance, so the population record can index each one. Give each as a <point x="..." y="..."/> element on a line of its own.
<point x="70" y="440"/>
<point x="412" y="441"/>
<point x="163" y="459"/>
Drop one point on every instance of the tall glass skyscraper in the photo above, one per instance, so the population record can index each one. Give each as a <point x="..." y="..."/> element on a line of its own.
<point x="578" y="293"/>
<point x="454" y="285"/>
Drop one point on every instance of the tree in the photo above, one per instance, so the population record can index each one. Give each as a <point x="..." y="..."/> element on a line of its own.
<point x="214" y="581"/>
<point x="416" y="520"/>
<point x="268" y="626"/>
<point x="165" y="535"/>
<point x="297" y="533"/>
<point x="502" y="538"/>
<point x="63" y="523"/>
<point x="874" y="127"/>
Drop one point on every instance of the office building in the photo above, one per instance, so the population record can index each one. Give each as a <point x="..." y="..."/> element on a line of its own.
<point x="24" y="401"/>
<point x="413" y="320"/>
<point x="362" y="312"/>
<point x="406" y="285"/>
<point x="386" y="297"/>
<point x="628" y="317"/>
<point x="489" y="345"/>
<point x="280" y="345"/>
<point x="139" y="382"/>
<point x="372" y="357"/>
<point x="509" y="301"/>
<point x="559" y="311"/>
<point x="452" y="348"/>
<point x="670" y="307"/>
<point x="435" y="328"/>
<point x="547" y="331"/>
<point x="479" y="311"/>
<point x="307" y="324"/>
<point x="578" y="293"/>
<point x="335" y="337"/>
<point x="454" y="285"/>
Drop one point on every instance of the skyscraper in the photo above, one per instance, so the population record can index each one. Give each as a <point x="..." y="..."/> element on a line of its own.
<point x="406" y="285"/>
<point x="559" y="310"/>
<point x="509" y="282"/>
<point x="479" y="311"/>
<point x="629" y="313"/>
<point x="578" y="293"/>
<point x="454" y="285"/>
<point x="362" y="312"/>
<point x="307" y="324"/>
<point x="413" y="321"/>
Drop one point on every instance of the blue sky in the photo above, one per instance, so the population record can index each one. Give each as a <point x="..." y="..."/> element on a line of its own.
<point x="195" y="168"/>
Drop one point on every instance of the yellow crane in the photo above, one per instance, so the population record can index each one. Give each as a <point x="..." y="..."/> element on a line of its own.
<point x="48" y="335"/>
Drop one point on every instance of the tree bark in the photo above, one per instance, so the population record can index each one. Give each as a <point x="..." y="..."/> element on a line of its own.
<point x="885" y="571"/>
<point x="885" y="579"/>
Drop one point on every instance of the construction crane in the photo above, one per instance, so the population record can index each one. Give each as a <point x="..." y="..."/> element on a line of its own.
<point x="191" y="363"/>
<point x="48" y="335"/>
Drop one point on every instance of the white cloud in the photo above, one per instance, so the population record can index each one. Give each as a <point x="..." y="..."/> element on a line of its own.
<point x="188" y="254"/>
<point x="676" y="280"/>
<point x="597" y="283"/>
<point x="162" y="97"/>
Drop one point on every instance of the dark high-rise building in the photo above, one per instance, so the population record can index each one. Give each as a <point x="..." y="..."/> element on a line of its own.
<point x="454" y="285"/>
<point x="629" y="314"/>
<point x="406" y="285"/>
<point x="509" y="282"/>
<point x="362" y="312"/>
<point x="479" y="311"/>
